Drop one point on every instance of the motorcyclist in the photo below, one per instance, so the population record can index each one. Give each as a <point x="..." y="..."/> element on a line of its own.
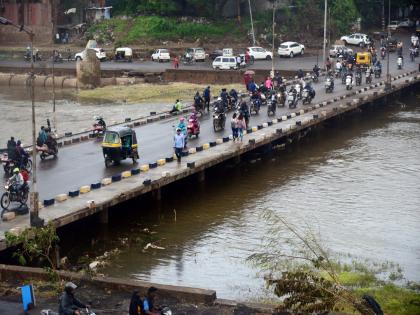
<point x="234" y="95"/>
<point x="198" y="101"/>
<point x="177" y="107"/>
<point x="42" y="136"/>
<point x="255" y="97"/>
<point x="277" y="80"/>
<point x="316" y="70"/>
<point x="300" y="74"/>
<point x="101" y="122"/>
<point x="16" y="181"/>
<point x="252" y="87"/>
<point x="310" y="89"/>
<point x="294" y="92"/>
<point x="68" y="304"/>
<point x="378" y="66"/>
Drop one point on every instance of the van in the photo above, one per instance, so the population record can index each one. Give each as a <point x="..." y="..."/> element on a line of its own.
<point x="227" y="63"/>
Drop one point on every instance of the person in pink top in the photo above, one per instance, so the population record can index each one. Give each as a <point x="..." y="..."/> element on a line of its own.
<point x="268" y="83"/>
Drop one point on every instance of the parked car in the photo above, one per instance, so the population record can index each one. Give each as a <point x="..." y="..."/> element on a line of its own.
<point x="356" y="39"/>
<point x="290" y="49"/>
<point x="259" y="53"/>
<point x="198" y="54"/>
<point x="216" y="53"/>
<point x="406" y="23"/>
<point x="161" y="55"/>
<point x="393" y="25"/>
<point x="227" y="63"/>
<point x="100" y="54"/>
<point x="336" y="48"/>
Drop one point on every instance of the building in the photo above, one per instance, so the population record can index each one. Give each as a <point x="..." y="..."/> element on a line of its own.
<point x="45" y="17"/>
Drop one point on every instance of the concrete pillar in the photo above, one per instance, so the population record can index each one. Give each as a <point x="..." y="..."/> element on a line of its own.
<point x="157" y="194"/>
<point x="201" y="176"/>
<point x="103" y="216"/>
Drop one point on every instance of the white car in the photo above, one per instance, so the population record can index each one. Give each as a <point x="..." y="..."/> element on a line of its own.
<point x="356" y="39"/>
<point x="259" y="53"/>
<point x="393" y="25"/>
<point x="406" y="23"/>
<point x="223" y="62"/>
<point x="100" y="54"/>
<point x="290" y="49"/>
<point x="161" y="55"/>
<point x="198" y="54"/>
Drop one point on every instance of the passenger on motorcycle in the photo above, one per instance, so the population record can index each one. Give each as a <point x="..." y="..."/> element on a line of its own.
<point x="198" y="101"/>
<point x="177" y="107"/>
<point x="68" y="304"/>
<point x="268" y="83"/>
<point x="20" y="154"/>
<point x="11" y="149"/>
<point x="311" y="90"/>
<point x="234" y="95"/>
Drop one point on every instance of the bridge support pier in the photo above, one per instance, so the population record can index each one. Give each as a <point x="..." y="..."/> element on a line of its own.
<point x="157" y="194"/>
<point x="201" y="176"/>
<point x="103" y="216"/>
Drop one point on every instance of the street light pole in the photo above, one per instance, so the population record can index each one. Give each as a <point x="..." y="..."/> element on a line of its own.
<point x="35" y="221"/>
<point x="252" y="23"/>
<point x="325" y="33"/>
<point x="272" y="59"/>
<point x="388" y="76"/>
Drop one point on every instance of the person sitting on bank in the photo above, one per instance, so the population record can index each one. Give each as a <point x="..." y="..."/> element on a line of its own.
<point x="149" y="306"/>
<point x="177" y="107"/>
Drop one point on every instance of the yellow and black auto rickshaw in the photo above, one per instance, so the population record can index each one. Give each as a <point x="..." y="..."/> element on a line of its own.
<point x="364" y="59"/>
<point x="119" y="143"/>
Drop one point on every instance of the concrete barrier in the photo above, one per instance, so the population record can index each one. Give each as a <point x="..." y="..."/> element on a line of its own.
<point x="73" y="193"/>
<point x="126" y="174"/>
<point x="254" y="129"/>
<point x="144" y="168"/>
<point x="161" y="162"/>
<point x="61" y="197"/>
<point x="106" y="181"/>
<point x="219" y="141"/>
<point x="206" y="146"/>
<point x="192" y="151"/>
<point x="48" y="202"/>
<point x="9" y="216"/>
<point x="84" y="189"/>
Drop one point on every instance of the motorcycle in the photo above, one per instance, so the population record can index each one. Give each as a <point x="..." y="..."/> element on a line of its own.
<point x="193" y="127"/>
<point x="399" y="63"/>
<point x="219" y="119"/>
<point x="281" y="99"/>
<point x="10" y="195"/>
<point x="377" y="71"/>
<point x="255" y="106"/>
<point x="349" y="82"/>
<point x="272" y="104"/>
<point x="9" y="165"/>
<point x="298" y="88"/>
<point x="306" y="97"/>
<point x="329" y="87"/>
<point x="358" y="78"/>
<point x="46" y="151"/>
<point x="343" y="78"/>
<point x="85" y="311"/>
<point x="314" y="78"/>
<point x="232" y="103"/>
<point x="99" y="127"/>
<point x="292" y="100"/>
<point x="36" y="55"/>
<point x="263" y="98"/>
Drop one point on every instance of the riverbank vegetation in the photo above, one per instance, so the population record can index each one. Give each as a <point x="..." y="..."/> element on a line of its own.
<point x="307" y="278"/>
<point x="151" y="93"/>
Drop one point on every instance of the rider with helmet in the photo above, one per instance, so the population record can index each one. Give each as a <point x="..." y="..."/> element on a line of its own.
<point x="16" y="181"/>
<point x="198" y="101"/>
<point x="69" y="305"/>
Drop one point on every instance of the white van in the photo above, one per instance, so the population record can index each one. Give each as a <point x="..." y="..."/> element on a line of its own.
<point x="227" y="63"/>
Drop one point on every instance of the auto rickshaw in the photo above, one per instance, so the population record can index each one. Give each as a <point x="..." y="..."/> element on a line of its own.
<point x="124" y="54"/>
<point x="119" y="143"/>
<point x="364" y="59"/>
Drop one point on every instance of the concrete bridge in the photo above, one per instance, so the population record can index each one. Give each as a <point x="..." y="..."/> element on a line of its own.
<point x="77" y="184"/>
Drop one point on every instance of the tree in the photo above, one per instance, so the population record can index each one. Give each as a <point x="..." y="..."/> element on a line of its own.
<point x="344" y="13"/>
<point x="311" y="283"/>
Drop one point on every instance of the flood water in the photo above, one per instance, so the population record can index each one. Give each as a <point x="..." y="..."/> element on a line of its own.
<point x="71" y="115"/>
<point x="357" y="183"/>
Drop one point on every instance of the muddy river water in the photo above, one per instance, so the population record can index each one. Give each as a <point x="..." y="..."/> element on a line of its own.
<point x="357" y="183"/>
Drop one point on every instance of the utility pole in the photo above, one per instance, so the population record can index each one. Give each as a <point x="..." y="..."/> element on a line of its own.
<point x="238" y="7"/>
<point x="388" y="76"/>
<point x="274" y="23"/>
<point x="383" y="16"/>
<point x="53" y="91"/>
<point x="325" y="33"/>
<point x="252" y="23"/>
<point x="35" y="220"/>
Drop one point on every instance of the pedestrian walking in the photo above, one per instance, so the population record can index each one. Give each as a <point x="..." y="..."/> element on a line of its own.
<point x="176" y="62"/>
<point x="233" y="125"/>
<point x="179" y="144"/>
<point x="240" y="125"/>
<point x="206" y="95"/>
